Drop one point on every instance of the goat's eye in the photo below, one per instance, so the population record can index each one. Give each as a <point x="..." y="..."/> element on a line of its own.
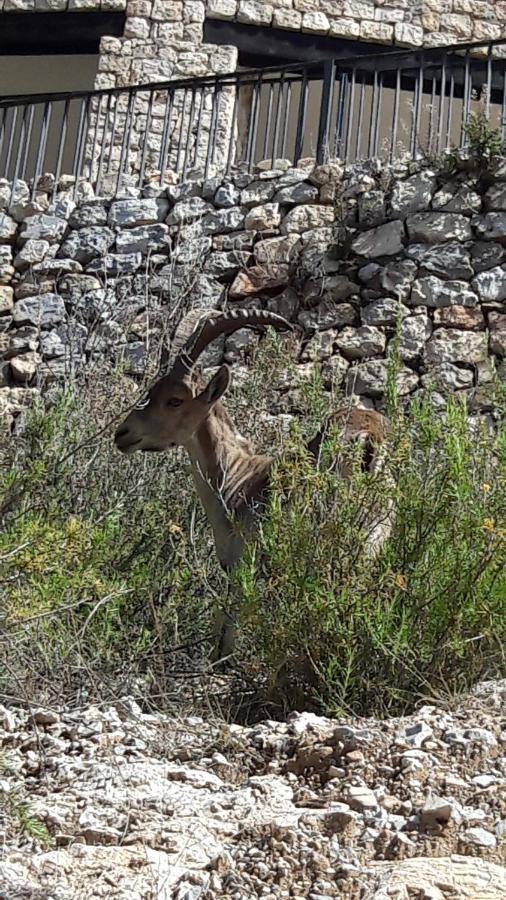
<point x="174" y="401"/>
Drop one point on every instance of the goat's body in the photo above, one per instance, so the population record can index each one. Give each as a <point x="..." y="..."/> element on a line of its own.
<point x="232" y="482"/>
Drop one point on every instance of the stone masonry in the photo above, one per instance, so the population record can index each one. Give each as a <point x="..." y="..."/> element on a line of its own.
<point x="423" y="22"/>
<point x="347" y="255"/>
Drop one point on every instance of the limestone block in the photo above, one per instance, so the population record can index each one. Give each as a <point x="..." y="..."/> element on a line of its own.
<point x="491" y="285"/>
<point x="254" y="12"/>
<point x="487" y="31"/>
<point x="463" y="317"/>
<point x="258" y="278"/>
<point x="129" y="213"/>
<point x="413" y="194"/>
<point x="361" y="342"/>
<point x="408" y="35"/>
<point x="413" y="335"/>
<point x="87" y="243"/>
<point x="50" y="5"/>
<point x="448" y="261"/>
<point x="448" y="377"/>
<point x="491" y="226"/>
<point x="376" y="31"/>
<point x="19" y="5"/>
<point x="358" y="9"/>
<point x="327" y="314"/>
<point x="43" y="228"/>
<point x="32" y="252"/>
<point x="136" y="28"/>
<point x="460" y="25"/>
<point x="297" y="193"/>
<point x="6" y="299"/>
<point x="223" y="220"/>
<point x="8" y="229"/>
<point x="144" y="239"/>
<point x="451" y="345"/>
<point x="290" y="19"/>
<point x="43" y="311"/>
<point x="167" y="11"/>
<point x="305" y="218"/>
<point x="221" y="9"/>
<point x="347" y="28"/>
<point x="434" y="227"/>
<point x="315" y="22"/>
<point x="370" y="379"/>
<point x="263" y="218"/>
<point x="83" y="5"/>
<point x="114" y="265"/>
<point x="384" y="311"/>
<point x="194" y="11"/>
<point x="497" y="325"/>
<point x="434" y="292"/>
<point x="386" y="240"/>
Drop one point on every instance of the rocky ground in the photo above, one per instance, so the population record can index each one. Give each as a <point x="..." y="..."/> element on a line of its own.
<point x="113" y="802"/>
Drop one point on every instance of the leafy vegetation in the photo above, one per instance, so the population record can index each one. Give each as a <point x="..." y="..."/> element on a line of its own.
<point x="109" y="581"/>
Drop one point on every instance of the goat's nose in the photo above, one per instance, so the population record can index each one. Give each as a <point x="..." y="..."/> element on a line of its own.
<point x="121" y="432"/>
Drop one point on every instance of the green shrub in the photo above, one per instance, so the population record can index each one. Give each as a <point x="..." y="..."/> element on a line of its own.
<point x="109" y="582"/>
<point x="321" y="623"/>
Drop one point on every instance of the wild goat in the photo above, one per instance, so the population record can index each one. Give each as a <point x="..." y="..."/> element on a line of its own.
<point x="230" y="478"/>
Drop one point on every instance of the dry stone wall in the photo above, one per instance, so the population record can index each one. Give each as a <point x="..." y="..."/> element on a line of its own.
<point x="347" y="255"/>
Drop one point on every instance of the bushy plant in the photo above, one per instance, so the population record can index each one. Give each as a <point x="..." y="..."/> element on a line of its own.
<point x="108" y="576"/>
<point x="321" y="623"/>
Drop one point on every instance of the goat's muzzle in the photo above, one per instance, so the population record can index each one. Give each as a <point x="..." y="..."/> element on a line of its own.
<point x="125" y="441"/>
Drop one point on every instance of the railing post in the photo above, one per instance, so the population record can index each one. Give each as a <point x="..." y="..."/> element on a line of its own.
<point x="329" y="69"/>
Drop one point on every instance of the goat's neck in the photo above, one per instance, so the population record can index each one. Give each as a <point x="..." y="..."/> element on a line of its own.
<point x="230" y="481"/>
<point x="223" y="459"/>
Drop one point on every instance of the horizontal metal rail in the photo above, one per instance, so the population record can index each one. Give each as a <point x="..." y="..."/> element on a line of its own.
<point x="387" y="104"/>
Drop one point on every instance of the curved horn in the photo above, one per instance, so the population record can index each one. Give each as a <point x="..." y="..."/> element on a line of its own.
<point x="187" y="326"/>
<point x="225" y="323"/>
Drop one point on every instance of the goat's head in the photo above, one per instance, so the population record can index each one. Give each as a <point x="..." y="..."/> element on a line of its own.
<point x="177" y="404"/>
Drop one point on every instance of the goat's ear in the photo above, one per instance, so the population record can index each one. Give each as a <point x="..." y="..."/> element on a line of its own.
<point x="217" y="386"/>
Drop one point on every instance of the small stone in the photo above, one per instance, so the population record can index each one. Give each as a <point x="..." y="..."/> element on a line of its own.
<point x="434" y="292"/>
<point x="370" y="379"/>
<point x="434" y="227"/>
<point x="305" y="218"/>
<point x="484" y="781"/>
<point x="131" y="213"/>
<point x="362" y="342"/>
<point x="480" y="837"/>
<point x="87" y="243"/>
<point x="385" y="311"/>
<point x="43" y="228"/>
<point x="386" y="240"/>
<point x="413" y="335"/>
<point x="263" y="218"/>
<point x="451" y="345"/>
<point x="45" y="717"/>
<point x="361" y="799"/>
<point x="24" y="368"/>
<point x="450" y="261"/>
<point x="413" y="195"/>
<point x="257" y="279"/>
<point x="44" y="311"/>
<point x="297" y="193"/>
<point x="436" y="810"/>
<point x="491" y="285"/>
<point x="463" y="317"/>
<point x="327" y="315"/>
<point x="6" y="299"/>
<point x="227" y="196"/>
<point x="223" y="220"/>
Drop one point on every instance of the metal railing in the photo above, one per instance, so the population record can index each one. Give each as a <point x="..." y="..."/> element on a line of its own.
<point x="385" y="105"/>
